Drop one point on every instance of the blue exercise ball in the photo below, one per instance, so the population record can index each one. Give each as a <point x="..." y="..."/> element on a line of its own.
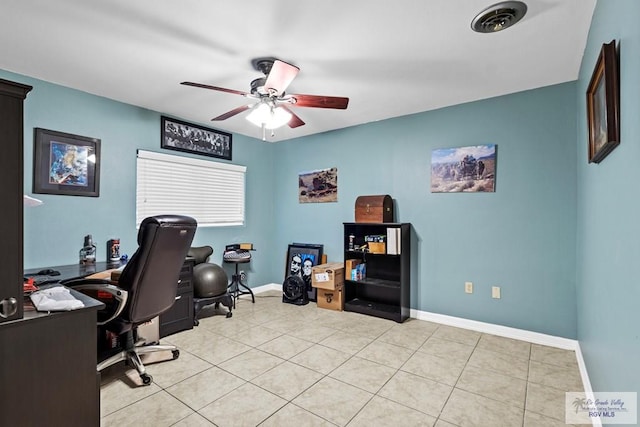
<point x="209" y="280"/>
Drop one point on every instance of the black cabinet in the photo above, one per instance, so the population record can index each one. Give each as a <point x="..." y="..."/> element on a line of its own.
<point x="47" y="361"/>
<point x="180" y="316"/>
<point x="48" y="369"/>
<point x="385" y="290"/>
<point x="12" y="97"/>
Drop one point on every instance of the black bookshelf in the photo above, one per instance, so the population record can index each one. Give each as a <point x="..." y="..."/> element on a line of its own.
<point x="385" y="291"/>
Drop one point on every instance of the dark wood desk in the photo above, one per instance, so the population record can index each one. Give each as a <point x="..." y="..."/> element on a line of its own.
<point x="177" y="318"/>
<point x="49" y="367"/>
<point x="73" y="271"/>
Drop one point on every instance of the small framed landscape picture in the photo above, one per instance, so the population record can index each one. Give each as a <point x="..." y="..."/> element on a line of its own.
<point x="66" y="164"/>
<point x="318" y="186"/>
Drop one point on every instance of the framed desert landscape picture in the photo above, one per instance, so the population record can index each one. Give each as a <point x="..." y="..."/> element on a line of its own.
<point x="469" y="169"/>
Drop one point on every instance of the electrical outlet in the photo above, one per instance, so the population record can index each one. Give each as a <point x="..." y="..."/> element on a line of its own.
<point x="495" y="292"/>
<point x="468" y="287"/>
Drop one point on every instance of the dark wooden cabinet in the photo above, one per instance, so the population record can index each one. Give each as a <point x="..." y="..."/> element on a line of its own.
<point x="47" y="361"/>
<point x="48" y="369"/>
<point x="385" y="291"/>
<point x="180" y="316"/>
<point x="12" y="97"/>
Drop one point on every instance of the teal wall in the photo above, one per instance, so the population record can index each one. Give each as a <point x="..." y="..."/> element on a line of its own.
<point x="521" y="238"/>
<point x="54" y="231"/>
<point x="608" y="208"/>
<point x="559" y="235"/>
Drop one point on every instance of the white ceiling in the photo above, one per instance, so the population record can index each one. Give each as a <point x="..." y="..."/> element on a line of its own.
<point x="391" y="58"/>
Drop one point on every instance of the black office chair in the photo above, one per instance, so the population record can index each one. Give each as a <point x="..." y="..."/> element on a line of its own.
<point x="146" y="288"/>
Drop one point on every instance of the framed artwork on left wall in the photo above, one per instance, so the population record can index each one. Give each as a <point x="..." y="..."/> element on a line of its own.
<point x="66" y="164"/>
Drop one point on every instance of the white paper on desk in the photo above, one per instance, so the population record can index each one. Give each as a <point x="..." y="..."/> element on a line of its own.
<point x="57" y="298"/>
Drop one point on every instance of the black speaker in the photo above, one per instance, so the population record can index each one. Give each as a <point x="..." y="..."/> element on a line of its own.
<point x="294" y="291"/>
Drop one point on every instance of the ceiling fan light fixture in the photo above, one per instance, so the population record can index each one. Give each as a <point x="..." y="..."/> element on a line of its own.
<point x="499" y="16"/>
<point x="268" y="116"/>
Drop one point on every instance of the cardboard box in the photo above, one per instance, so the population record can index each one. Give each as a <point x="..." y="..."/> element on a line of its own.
<point x="150" y="331"/>
<point x="115" y="275"/>
<point x="377" y="247"/>
<point x="331" y="299"/>
<point x="350" y="264"/>
<point x="327" y="276"/>
<point x="104" y="275"/>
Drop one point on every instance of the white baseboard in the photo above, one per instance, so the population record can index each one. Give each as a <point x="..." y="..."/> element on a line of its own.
<point x="267" y="287"/>
<point x="586" y="383"/>
<point x="474" y="325"/>
<point x="503" y="331"/>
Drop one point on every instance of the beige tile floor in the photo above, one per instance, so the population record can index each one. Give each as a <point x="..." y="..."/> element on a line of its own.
<point x="275" y="364"/>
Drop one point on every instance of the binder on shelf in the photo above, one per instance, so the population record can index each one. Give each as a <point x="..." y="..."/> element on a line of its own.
<point x="392" y="243"/>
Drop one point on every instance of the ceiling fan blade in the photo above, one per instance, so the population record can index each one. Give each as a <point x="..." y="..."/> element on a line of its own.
<point x="280" y="76"/>
<point x="318" y="101"/>
<point x="295" y="121"/>
<point x="221" y="89"/>
<point x="232" y="113"/>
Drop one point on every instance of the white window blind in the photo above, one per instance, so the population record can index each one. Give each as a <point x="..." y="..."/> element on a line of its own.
<point x="211" y="192"/>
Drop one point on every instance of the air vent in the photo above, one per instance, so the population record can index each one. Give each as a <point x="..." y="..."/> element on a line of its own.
<point x="499" y="17"/>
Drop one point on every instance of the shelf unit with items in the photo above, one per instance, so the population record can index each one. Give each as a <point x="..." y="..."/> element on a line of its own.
<point x="377" y="259"/>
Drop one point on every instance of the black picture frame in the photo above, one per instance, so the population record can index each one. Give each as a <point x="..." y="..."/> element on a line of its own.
<point x="190" y="138"/>
<point x="66" y="164"/>
<point x="603" y="104"/>
<point x="305" y="252"/>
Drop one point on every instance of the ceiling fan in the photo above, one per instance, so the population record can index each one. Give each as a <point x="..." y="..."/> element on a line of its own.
<point x="272" y="107"/>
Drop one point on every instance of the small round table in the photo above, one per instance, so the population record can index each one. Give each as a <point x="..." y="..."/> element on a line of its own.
<point x="236" y="281"/>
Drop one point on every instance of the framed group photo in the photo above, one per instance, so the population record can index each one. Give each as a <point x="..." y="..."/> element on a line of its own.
<point x="66" y="164"/>
<point x="189" y="138"/>
<point x="603" y="103"/>
<point x="301" y="257"/>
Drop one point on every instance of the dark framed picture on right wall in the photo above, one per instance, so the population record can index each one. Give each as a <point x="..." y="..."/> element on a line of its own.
<point x="603" y="104"/>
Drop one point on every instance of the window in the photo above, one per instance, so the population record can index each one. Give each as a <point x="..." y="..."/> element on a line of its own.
<point x="211" y="192"/>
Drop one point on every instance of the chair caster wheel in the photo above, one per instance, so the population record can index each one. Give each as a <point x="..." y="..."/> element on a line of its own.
<point x="229" y="314"/>
<point x="175" y="353"/>
<point x="146" y="379"/>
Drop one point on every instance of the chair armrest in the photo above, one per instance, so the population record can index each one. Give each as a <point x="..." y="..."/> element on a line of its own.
<point x="113" y="297"/>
